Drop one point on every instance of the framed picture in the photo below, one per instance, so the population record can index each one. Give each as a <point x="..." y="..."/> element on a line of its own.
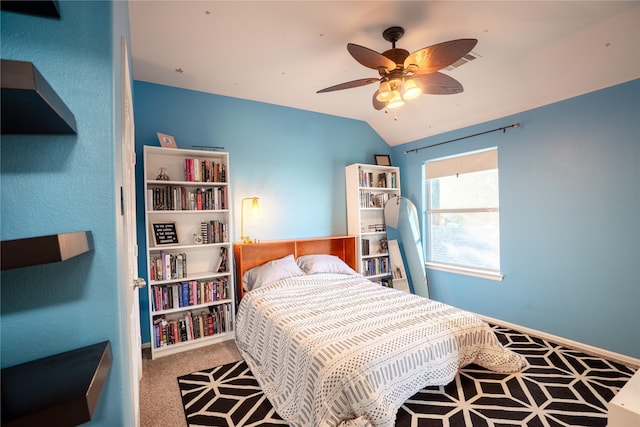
<point x="166" y="141"/>
<point x="164" y="233"/>
<point x="382" y="159"/>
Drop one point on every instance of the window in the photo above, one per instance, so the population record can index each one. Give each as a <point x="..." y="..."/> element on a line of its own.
<point x="463" y="218"/>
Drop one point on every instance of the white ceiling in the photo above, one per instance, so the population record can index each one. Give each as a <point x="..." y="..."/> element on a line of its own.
<point x="531" y="53"/>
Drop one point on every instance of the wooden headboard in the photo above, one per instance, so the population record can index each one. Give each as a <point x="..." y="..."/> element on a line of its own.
<point x="249" y="255"/>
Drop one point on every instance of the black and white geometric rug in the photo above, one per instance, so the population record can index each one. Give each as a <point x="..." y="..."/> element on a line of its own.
<point x="562" y="387"/>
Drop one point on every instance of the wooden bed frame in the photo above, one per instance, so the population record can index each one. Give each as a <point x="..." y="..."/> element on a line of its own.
<point x="249" y="255"/>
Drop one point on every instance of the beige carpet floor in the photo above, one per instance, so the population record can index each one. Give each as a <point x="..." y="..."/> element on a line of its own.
<point x="160" y="403"/>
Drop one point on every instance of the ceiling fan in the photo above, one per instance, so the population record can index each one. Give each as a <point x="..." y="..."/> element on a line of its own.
<point x="405" y="76"/>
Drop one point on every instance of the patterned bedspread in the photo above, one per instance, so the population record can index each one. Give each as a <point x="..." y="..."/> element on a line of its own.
<point x="331" y="349"/>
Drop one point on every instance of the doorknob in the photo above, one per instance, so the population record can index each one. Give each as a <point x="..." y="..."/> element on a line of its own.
<point x="139" y="283"/>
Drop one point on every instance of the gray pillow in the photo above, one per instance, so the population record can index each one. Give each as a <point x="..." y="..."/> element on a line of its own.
<point x="322" y="263"/>
<point x="271" y="271"/>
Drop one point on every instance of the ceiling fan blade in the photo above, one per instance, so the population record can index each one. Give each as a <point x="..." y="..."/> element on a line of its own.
<point x="433" y="58"/>
<point x="370" y="58"/>
<point x="377" y="104"/>
<point x="349" y="85"/>
<point x="438" y="84"/>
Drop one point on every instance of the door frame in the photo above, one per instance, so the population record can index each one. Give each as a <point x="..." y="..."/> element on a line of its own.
<point x="127" y="240"/>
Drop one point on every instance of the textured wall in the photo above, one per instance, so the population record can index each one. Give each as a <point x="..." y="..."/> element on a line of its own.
<point x="53" y="184"/>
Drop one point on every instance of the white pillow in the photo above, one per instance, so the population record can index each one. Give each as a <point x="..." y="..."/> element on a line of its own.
<point x="271" y="271"/>
<point x="322" y="263"/>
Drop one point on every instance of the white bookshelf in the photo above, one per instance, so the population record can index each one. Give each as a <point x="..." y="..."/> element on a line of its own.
<point x="368" y="188"/>
<point x="181" y="201"/>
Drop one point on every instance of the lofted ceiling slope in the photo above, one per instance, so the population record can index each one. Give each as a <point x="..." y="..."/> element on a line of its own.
<point x="529" y="54"/>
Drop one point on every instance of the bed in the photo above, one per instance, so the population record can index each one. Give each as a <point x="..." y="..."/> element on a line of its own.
<point x="331" y="348"/>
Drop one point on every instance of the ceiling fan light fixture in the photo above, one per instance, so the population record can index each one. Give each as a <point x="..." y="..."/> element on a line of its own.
<point x="411" y="90"/>
<point x="396" y="101"/>
<point x="384" y="93"/>
<point x="403" y="76"/>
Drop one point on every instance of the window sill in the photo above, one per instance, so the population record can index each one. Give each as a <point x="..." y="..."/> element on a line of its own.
<point x="475" y="272"/>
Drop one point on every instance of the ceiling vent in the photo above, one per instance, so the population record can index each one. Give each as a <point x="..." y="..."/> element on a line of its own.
<point x="460" y="62"/>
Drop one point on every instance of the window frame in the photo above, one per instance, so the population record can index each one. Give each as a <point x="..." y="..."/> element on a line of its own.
<point x="484" y="273"/>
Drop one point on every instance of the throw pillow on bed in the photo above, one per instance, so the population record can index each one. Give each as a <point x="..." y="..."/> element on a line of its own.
<point x="321" y="263"/>
<point x="271" y="271"/>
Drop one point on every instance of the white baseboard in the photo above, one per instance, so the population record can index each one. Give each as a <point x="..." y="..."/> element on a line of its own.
<point x="600" y="352"/>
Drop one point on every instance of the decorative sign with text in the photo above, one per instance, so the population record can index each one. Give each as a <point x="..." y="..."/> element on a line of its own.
<point x="164" y="233"/>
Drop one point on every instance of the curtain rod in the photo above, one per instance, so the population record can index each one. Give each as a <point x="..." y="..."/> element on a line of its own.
<point x="503" y="129"/>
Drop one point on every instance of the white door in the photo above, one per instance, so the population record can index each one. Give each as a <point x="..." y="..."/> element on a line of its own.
<point x="128" y="199"/>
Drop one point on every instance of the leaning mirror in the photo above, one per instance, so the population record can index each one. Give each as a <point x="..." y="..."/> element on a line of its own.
<point x="401" y="220"/>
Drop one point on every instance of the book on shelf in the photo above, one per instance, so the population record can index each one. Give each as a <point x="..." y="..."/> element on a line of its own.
<point x="188" y="293"/>
<point x="375" y="266"/>
<point x="191" y="325"/>
<point x="195" y="325"/>
<point x="374" y="200"/>
<point x="366" y="178"/>
<point x="204" y="170"/>
<point x="204" y="231"/>
<point x="181" y="198"/>
<point x="183" y="332"/>
<point x="387" y="180"/>
<point x="222" y="260"/>
<point x="380" y="180"/>
<point x="167" y="266"/>
<point x="214" y="231"/>
<point x="365" y="247"/>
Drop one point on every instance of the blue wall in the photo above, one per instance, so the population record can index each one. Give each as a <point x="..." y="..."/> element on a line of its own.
<point x="569" y="214"/>
<point x="569" y="193"/>
<point x="293" y="160"/>
<point x="53" y="184"/>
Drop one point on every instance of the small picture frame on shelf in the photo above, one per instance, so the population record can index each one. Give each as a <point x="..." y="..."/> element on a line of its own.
<point x="166" y="141"/>
<point x="382" y="159"/>
<point x="164" y="233"/>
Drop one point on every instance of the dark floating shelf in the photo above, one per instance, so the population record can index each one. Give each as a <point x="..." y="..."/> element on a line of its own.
<point x="59" y="390"/>
<point x="44" y="249"/>
<point x="29" y="104"/>
<point x="32" y="7"/>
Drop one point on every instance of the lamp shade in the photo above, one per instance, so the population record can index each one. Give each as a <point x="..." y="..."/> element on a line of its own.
<point x="384" y="93"/>
<point x="396" y="101"/>
<point x="411" y="89"/>
<point x="253" y="212"/>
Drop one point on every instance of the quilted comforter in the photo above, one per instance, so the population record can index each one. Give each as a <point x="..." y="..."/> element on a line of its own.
<point x="332" y="349"/>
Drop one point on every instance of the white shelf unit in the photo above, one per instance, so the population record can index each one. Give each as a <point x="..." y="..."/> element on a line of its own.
<point x="192" y="287"/>
<point x="368" y="188"/>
